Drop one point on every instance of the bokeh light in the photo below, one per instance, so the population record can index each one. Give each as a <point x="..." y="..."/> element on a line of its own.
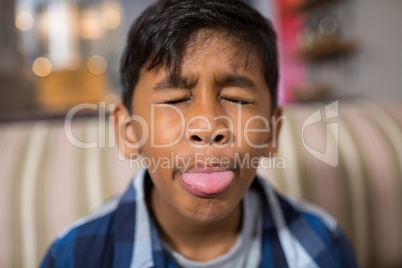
<point x="24" y="21"/>
<point x="97" y="64"/>
<point x="91" y="27"/>
<point x="42" y="67"/>
<point x="110" y="19"/>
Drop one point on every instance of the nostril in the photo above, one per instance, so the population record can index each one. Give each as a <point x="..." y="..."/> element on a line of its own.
<point x="196" y="138"/>
<point x="218" y="139"/>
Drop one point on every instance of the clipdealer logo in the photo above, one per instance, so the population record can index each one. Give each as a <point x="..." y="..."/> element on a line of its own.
<point x="330" y="155"/>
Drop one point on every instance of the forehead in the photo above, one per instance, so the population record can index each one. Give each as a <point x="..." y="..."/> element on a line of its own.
<point x="215" y="43"/>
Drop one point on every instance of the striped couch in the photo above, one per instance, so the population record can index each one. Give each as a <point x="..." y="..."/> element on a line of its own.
<point x="46" y="182"/>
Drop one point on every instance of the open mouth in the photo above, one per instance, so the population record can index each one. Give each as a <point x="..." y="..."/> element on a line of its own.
<point x="207" y="182"/>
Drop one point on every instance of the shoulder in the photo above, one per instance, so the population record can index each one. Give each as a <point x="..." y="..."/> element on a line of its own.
<point x="315" y="230"/>
<point x="328" y="229"/>
<point x="87" y="241"/>
<point x="317" y="217"/>
<point x="106" y="237"/>
<point x="291" y="209"/>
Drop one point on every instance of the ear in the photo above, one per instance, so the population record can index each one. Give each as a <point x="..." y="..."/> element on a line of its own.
<point x="276" y="125"/>
<point x="126" y="137"/>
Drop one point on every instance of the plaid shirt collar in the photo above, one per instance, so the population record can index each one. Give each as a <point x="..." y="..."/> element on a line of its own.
<point x="288" y="239"/>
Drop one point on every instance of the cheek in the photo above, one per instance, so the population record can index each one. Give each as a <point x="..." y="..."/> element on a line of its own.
<point x="255" y="131"/>
<point x="167" y="126"/>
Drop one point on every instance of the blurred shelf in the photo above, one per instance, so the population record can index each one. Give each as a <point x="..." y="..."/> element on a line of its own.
<point x="326" y="49"/>
<point x="306" y="5"/>
<point x="62" y="90"/>
<point x="311" y="91"/>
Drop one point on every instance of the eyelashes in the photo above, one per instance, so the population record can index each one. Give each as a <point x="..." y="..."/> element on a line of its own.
<point x="226" y="99"/>
<point x="175" y="102"/>
<point x="237" y="101"/>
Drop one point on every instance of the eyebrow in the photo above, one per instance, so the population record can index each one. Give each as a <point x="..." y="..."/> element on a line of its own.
<point x="236" y="80"/>
<point x="172" y="82"/>
<point x="228" y="80"/>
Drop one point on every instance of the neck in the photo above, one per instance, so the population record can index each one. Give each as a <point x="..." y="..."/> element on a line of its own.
<point x="199" y="241"/>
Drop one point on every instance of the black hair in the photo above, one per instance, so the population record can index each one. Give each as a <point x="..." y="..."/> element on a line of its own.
<point x="159" y="37"/>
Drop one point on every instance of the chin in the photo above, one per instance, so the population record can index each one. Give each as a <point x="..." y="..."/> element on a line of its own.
<point x="207" y="210"/>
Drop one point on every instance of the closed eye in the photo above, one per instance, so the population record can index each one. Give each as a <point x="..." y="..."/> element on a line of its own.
<point x="173" y="102"/>
<point x="237" y="101"/>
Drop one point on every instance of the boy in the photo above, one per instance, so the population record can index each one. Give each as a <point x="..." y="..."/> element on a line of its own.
<point x="200" y="81"/>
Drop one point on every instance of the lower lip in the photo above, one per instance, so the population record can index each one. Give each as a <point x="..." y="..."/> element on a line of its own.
<point x="207" y="185"/>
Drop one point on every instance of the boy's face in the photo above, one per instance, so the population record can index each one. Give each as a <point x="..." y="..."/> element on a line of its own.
<point x="207" y="128"/>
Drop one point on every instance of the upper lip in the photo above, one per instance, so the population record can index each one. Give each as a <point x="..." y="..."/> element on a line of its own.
<point x="200" y="167"/>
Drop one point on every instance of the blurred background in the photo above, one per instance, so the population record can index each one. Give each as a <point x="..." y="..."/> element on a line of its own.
<point x="57" y="54"/>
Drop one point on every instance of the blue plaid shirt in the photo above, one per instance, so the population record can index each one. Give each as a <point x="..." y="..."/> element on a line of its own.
<point x="122" y="234"/>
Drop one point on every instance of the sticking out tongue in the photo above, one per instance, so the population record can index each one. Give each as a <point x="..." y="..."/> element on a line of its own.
<point x="209" y="183"/>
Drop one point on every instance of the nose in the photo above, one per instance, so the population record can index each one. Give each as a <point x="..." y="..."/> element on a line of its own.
<point x="206" y="137"/>
<point x="208" y="129"/>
